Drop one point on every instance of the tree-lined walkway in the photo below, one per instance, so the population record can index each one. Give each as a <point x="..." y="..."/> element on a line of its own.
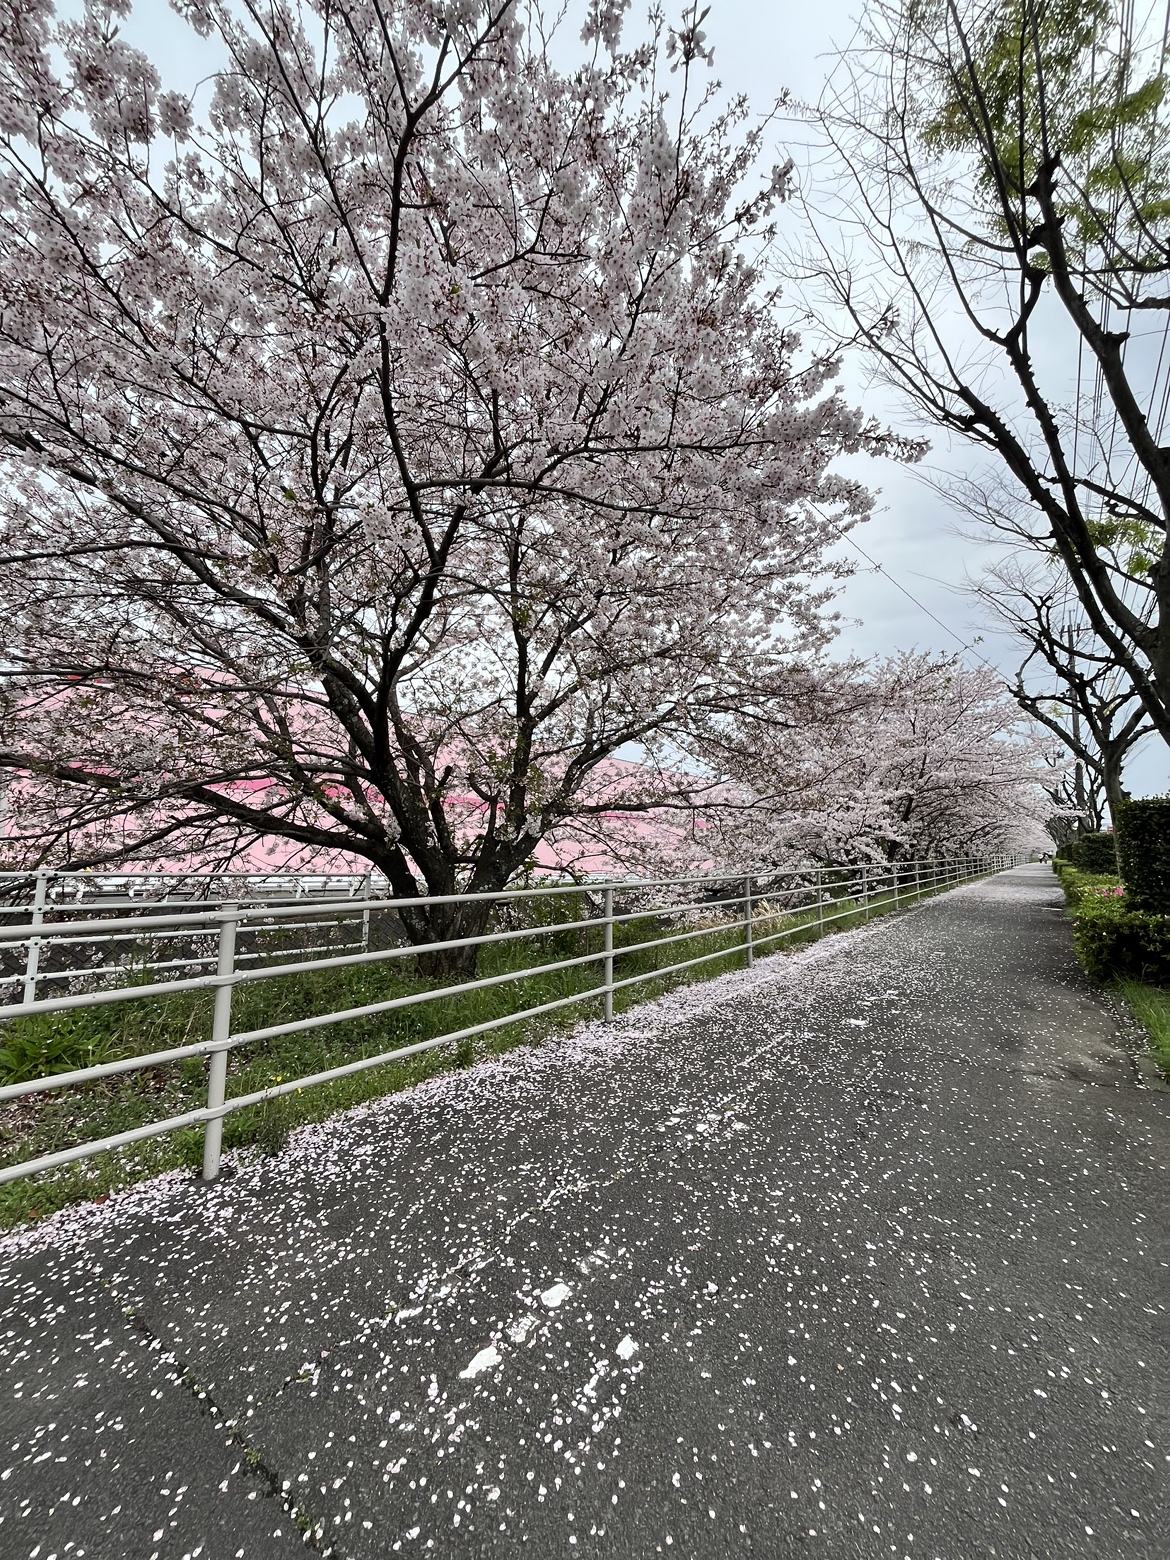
<point x="863" y="1251"/>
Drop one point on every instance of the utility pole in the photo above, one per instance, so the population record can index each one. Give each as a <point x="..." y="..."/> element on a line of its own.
<point x="1071" y="631"/>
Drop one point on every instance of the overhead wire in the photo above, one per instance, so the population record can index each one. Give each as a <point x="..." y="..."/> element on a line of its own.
<point x="1097" y="395"/>
<point x="881" y="569"/>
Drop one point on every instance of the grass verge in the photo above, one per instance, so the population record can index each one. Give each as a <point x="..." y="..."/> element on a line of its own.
<point x="1107" y="939"/>
<point x="1150" y="1005"/>
<point x="46" y="1123"/>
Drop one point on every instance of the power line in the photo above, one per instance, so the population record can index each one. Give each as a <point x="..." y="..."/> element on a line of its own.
<point x="910" y="596"/>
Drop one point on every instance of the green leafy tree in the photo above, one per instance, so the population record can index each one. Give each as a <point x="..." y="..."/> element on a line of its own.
<point x="1058" y="77"/>
<point x="1006" y="207"/>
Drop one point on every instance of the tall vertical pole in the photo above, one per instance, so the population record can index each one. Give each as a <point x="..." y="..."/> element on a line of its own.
<point x="32" y="962"/>
<point x="221" y="1029"/>
<point x="366" y="914"/>
<point x="820" y="902"/>
<point x="747" y="920"/>
<point x="608" y="897"/>
<point x="1080" y="794"/>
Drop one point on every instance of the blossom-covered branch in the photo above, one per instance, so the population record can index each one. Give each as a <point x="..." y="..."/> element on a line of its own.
<point x="402" y="420"/>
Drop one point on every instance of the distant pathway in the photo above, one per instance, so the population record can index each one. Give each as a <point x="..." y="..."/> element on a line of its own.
<point x="861" y="1253"/>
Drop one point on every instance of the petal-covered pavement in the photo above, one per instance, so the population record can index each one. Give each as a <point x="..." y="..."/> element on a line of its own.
<point x="862" y="1252"/>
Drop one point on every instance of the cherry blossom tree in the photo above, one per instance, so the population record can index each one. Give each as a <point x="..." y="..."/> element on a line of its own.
<point x="926" y="757"/>
<point x="391" y="434"/>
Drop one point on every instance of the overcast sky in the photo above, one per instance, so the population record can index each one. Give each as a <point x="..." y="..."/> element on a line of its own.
<point x="762" y="48"/>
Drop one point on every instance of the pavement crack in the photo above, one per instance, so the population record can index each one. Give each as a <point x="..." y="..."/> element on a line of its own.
<point x="183" y="1375"/>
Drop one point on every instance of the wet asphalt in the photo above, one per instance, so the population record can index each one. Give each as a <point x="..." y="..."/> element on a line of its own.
<point x="862" y="1252"/>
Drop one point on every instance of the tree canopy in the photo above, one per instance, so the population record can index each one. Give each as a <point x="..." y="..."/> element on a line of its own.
<point x="1006" y="211"/>
<point x="393" y="433"/>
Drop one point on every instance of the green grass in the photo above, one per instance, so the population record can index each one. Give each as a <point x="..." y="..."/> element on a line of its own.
<point x="46" y="1123"/>
<point x="1150" y="1005"/>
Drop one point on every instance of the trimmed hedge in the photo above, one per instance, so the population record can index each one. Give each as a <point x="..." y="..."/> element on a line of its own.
<point x="1114" y="941"/>
<point x="1094" y="853"/>
<point x="1077" y="884"/>
<point x="1089" y="853"/>
<point x="1143" y="853"/>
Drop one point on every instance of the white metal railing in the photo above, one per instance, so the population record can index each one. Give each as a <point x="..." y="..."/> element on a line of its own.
<point x="753" y="897"/>
<point x="98" y="886"/>
<point x="112" y="894"/>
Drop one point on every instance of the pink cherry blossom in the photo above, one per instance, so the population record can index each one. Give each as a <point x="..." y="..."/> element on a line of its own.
<point x="405" y="419"/>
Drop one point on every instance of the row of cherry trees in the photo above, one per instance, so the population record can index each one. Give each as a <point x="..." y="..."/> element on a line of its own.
<point x="403" y="427"/>
<point x="928" y="757"/>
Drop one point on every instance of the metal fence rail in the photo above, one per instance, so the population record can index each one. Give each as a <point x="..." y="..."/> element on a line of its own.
<point x="342" y="897"/>
<point x="102" y="887"/>
<point x="747" y="902"/>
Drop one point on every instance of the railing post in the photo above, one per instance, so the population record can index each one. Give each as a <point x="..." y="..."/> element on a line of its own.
<point x="820" y="903"/>
<point x="607" y="895"/>
<point x="366" y="913"/>
<point x="865" y="886"/>
<point x="32" y="961"/>
<point x="917" y="879"/>
<point x="221" y="1028"/>
<point x="747" y="921"/>
<point x="897" y="870"/>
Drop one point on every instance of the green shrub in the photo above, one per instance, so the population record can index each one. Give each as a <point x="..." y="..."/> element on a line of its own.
<point x="1094" y="853"/>
<point x="1143" y="852"/>
<point x="1077" y="885"/>
<point x="1115" y="942"/>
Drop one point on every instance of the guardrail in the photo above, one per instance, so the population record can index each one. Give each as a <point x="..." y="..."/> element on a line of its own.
<point x="748" y="900"/>
<point x="98" y="885"/>
<point x="112" y="895"/>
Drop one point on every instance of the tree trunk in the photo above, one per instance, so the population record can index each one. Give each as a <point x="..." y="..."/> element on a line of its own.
<point x="447" y="923"/>
<point x="1112" y="758"/>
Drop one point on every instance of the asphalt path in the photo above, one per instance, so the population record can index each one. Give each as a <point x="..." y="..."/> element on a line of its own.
<point x="862" y="1252"/>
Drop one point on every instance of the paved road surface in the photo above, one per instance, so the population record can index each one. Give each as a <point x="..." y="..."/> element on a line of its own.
<point x="861" y="1253"/>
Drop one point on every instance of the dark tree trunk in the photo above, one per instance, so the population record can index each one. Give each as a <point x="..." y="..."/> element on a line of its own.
<point x="448" y="963"/>
<point x="428" y="922"/>
<point x="424" y="920"/>
<point x="1112" y="758"/>
<point x="448" y="923"/>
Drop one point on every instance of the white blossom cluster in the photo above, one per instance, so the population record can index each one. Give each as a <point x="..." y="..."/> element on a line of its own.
<point x="392" y="434"/>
